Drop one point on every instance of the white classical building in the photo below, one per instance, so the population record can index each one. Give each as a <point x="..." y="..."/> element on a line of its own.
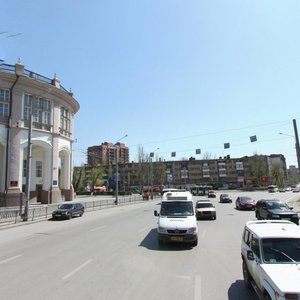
<point x="35" y="111"/>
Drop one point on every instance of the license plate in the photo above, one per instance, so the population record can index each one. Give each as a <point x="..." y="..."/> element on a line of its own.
<point x="177" y="238"/>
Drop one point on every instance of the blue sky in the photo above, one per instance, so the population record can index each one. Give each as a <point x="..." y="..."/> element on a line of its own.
<point x="175" y="74"/>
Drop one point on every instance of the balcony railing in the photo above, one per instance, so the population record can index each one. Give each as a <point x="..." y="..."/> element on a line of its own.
<point x="12" y="69"/>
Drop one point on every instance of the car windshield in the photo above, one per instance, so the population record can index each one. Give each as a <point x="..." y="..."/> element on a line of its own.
<point x="246" y="199"/>
<point x="66" y="206"/>
<point x="225" y="196"/>
<point x="277" y="205"/>
<point x="176" y="208"/>
<point x="281" y="250"/>
<point x="201" y="205"/>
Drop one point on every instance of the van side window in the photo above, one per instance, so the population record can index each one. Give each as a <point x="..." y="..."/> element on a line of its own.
<point x="255" y="246"/>
<point x="246" y="237"/>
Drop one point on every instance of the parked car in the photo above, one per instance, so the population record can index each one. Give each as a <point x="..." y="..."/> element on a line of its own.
<point x="275" y="209"/>
<point x="205" y="210"/>
<point x="270" y="259"/>
<point x="211" y="194"/>
<point x="225" y="198"/>
<point x="68" y="211"/>
<point x="244" y="202"/>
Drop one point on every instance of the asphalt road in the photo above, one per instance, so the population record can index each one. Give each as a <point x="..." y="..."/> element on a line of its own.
<point x="113" y="254"/>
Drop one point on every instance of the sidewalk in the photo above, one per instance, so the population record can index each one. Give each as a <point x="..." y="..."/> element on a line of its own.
<point x="40" y="213"/>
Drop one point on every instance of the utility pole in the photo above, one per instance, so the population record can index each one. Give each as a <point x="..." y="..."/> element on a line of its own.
<point x="117" y="168"/>
<point x="297" y="145"/>
<point x="28" y="170"/>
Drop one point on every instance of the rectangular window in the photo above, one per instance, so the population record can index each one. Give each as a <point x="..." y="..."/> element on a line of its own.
<point x="65" y="122"/>
<point x="41" y="110"/>
<point x="47" y="117"/>
<point x="4" y="103"/>
<point x="222" y="165"/>
<point x="222" y="173"/>
<point x="24" y="168"/>
<point x="47" y="105"/>
<point x="239" y="166"/>
<point x="206" y="173"/>
<point x="38" y="115"/>
<point x="39" y="169"/>
<point x="27" y="100"/>
<point x="27" y="108"/>
<point x="39" y="102"/>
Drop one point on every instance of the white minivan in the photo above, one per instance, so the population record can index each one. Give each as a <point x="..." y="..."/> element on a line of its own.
<point x="177" y="220"/>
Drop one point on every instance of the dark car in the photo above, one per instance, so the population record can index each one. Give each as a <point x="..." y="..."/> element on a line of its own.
<point x="244" y="202"/>
<point x="225" y="198"/>
<point x="275" y="209"/>
<point x="68" y="211"/>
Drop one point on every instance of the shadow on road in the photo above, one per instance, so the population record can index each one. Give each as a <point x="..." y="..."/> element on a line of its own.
<point x="151" y="242"/>
<point x="238" y="291"/>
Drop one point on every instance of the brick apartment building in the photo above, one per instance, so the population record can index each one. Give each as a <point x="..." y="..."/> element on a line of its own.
<point x="105" y="154"/>
<point x="222" y="172"/>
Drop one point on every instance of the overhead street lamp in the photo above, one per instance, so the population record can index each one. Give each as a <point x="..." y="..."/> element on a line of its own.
<point x="117" y="169"/>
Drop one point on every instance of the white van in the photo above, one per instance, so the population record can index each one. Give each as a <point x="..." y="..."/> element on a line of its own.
<point x="177" y="220"/>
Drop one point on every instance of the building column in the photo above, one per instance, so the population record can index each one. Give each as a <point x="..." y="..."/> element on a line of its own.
<point x="55" y="191"/>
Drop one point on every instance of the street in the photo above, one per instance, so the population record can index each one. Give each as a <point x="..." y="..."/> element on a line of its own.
<point x="114" y="254"/>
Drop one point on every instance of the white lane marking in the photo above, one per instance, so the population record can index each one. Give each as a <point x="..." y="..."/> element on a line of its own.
<point x="9" y="259"/>
<point x="186" y="277"/>
<point x="77" y="269"/>
<point x="197" y="288"/>
<point x="98" y="228"/>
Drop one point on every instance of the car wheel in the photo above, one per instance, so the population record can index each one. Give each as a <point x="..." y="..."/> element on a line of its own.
<point x="247" y="276"/>
<point x="69" y="216"/>
<point x="80" y="215"/>
<point x="257" y="216"/>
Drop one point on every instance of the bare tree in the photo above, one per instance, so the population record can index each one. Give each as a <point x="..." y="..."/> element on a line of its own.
<point x="207" y="155"/>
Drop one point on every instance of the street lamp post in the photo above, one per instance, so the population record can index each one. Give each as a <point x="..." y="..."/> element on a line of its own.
<point x="117" y="170"/>
<point x="151" y="172"/>
<point x="28" y="170"/>
<point x="296" y="143"/>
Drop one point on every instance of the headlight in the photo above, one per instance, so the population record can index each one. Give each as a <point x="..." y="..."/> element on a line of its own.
<point x="193" y="230"/>
<point x="162" y="229"/>
<point x="295" y="216"/>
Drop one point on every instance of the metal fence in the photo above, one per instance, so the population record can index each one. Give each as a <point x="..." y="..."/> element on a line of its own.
<point x="40" y="211"/>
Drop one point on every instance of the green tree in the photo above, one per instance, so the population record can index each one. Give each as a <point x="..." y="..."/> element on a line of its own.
<point x="257" y="167"/>
<point x="159" y="173"/>
<point x="77" y="179"/>
<point x="277" y="174"/>
<point x="96" y="177"/>
<point x="143" y="167"/>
